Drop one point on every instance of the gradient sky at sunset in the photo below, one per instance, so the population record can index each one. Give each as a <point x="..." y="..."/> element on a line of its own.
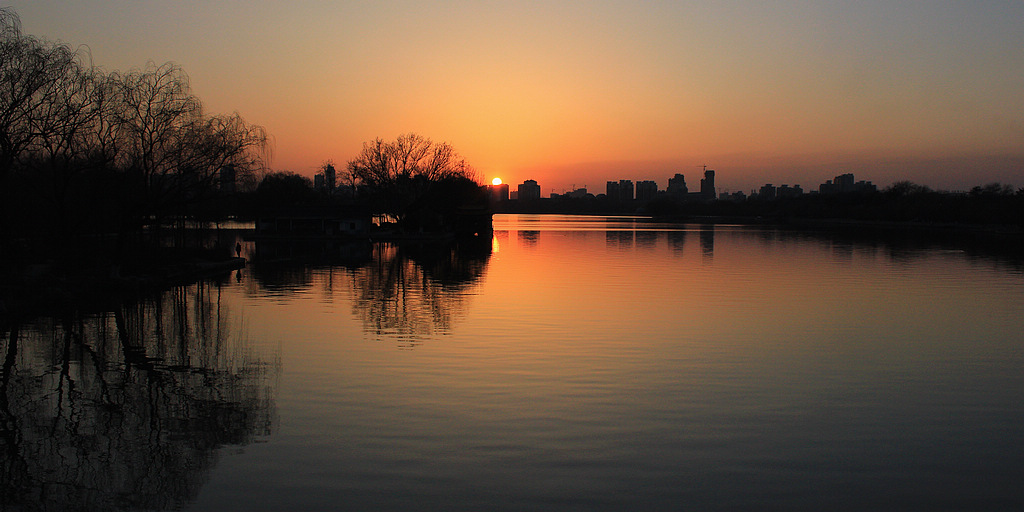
<point x="579" y="93"/>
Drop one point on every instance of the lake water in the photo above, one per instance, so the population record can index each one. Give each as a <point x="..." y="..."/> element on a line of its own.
<point x="569" y="363"/>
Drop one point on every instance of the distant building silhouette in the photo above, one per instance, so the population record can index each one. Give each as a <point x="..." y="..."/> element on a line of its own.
<point x="844" y="183"/>
<point x="737" y="196"/>
<point x="529" y="190"/>
<point x="611" y="190"/>
<point x="769" y="192"/>
<point x="330" y="178"/>
<point x="326" y="180"/>
<point x="707" y="185"/>
<point x="579" y="193"/>
<point x="625" y="190"/>
<point x="499" y="193"/>
<point x="786" y="191"/>
<point x="621" y="191"/>
<point x="677" y="185"/>
<point x="646" y="190"/>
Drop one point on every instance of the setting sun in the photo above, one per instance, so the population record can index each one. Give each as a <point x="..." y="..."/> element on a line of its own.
<point x="496" y="181"/>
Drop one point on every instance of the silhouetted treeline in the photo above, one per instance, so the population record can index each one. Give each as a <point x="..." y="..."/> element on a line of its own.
<point x="86" y="153"/>
<point x="411" y="185"/>
<point x="419" y="184"/>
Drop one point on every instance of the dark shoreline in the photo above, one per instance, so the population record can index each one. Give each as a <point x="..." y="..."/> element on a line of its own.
<point x="45" y="287"/>
<point x="27" y="290"/>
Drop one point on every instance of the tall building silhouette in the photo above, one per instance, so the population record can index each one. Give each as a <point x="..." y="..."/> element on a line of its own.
<point x="529" y="190"/>
<point x="646" y="190"/>
<point x="611" y="190"/>
<point x="625" y="190"/>
<point x="707" y="185"/>
<point x="845" y="183"/>
<point x="621" y="190"/>
<point x="499" y="193"/>
<point x="677" y="185"/>
<point x="330" y="178"/>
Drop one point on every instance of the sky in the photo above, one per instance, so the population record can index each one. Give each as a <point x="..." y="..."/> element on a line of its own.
<point x="579" y="93"/>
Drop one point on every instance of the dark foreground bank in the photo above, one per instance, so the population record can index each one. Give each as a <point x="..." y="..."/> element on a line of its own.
<point x="75" y="283"/>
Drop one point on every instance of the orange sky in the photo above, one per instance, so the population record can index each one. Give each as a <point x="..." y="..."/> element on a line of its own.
<point x="579" y="93"/>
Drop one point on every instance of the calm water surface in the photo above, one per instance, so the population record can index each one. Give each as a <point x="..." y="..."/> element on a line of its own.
<point x="571" y="363"/>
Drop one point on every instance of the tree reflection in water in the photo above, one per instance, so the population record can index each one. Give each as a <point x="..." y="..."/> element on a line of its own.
<point x="404" y="291"/>
<point x="410" y="292"/>
<point x="126" y="409"/>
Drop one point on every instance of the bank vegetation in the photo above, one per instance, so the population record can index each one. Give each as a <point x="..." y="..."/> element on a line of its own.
<point x="89" y="154"/>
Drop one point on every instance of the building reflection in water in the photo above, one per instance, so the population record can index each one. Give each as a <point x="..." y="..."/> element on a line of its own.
<point x="529" y="238"/>
<point x="647" y="240"/>
<point x="619" y="239"/>
<point x="707" y="243"/>
<point x="127" y="408"/>
<point x="677" y="241"/>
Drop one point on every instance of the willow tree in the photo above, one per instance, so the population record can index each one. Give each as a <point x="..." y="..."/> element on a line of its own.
<point x="32" y="75"/>
<point x="171" y="150"/>
<point x="400" y="175"/>
<point x="81" y="146"/>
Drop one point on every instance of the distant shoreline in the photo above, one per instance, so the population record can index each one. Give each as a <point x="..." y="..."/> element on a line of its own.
<point x="27" y="289"/>
<point x="809" y="222"/>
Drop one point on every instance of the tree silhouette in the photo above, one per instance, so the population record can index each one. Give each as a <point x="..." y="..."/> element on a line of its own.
<point x="397" y="174"/>
<point x="85" y="151"/>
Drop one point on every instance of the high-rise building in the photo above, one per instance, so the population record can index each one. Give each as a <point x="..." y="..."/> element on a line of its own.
<point x="529" y="190"/>
<point x="625" y="190"/>
<point x="786" y="191"/>
<point x="677" y="185"/>
<point x="845" y="183"/>
<point x="330" y="178"/>
<point x="707" y="185"/>
<point x="611" y="190"/>
<point x="499" y="193"/>
<point x="646" y="190"/>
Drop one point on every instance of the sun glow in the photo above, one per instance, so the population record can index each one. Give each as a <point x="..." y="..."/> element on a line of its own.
<point x="496" y="181"/>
